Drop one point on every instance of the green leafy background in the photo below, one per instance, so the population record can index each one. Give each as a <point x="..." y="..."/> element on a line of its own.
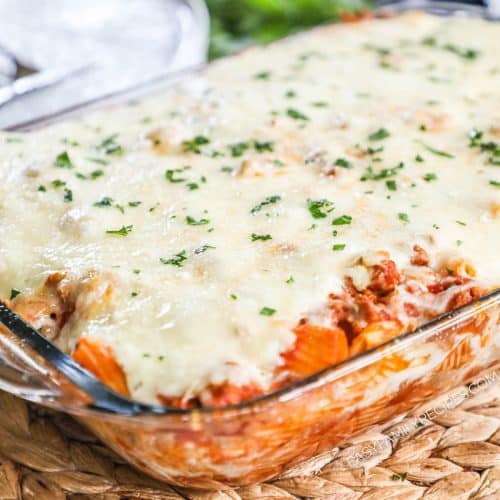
<point x="237" y="23"/>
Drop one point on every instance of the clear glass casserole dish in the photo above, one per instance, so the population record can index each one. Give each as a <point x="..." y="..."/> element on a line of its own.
<point x="262" y="438"/>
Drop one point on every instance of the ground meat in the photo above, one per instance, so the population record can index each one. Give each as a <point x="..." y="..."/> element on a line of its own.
<point x="420" y="256"/>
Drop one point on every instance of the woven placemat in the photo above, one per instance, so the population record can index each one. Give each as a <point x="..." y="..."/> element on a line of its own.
<point x="448" y="450"/>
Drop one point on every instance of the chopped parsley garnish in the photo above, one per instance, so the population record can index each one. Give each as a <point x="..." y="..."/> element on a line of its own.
<point x="104" y="202"/>
<point x="263" y="75"/>
<point x="136" y="271"/>
<point x="461" y="223"/>
<point x="296" y="115"/>
<point x="270" y="200"/>
<point x="342" y="162"/>
<point x="290" y="280"/>
<point x="459" y="243"/>
<point x="110" y="146"/>
<point x="319" y="209"/>
<point x="170" y="175"/>
<point x="495" y="184"/>
<point x="464" y="53"/>
<point x="192" y="186"/>
<point x="404" y="217"/>
<point x="123" y="231"/>
<point x="430" y="176"/>
<point x="99" y="161"/>
<point x="233" y="296"/>
<point x="134" y="294"/>
<point x="134" y="204"/>
<point x="342" y="220"/>
<point x="338" y="247"/>
<point x="193" y="145"/>
<point x="96" y="174"/>
<point x="68" y="195"/>
<point x="435" y="151"/>
<point x="379" y="135"/>
<point x="226" y="169"/>
<point x="267" y="311"/>
<point x="391" y="185"/>
<point x="371" y="175"/>
<point x="14" y="293"/>
<point x="320" y="104"/>
<point x="177" y="260"/>
<point x="419" y="159"/>
<point x="63" y="160"/>
<point x="475" y="136"/>
<point x="262" y="146"/>
<point x="491" y="147"/>
<point x="42" y="188"/>
<point x="57" y="183"/>
<point x="290" y="94"/>
<point x="238" y="148"/>
<point x="196" y="222"/>
<point x="261" y="237"/>
<point x="422" y="127"/>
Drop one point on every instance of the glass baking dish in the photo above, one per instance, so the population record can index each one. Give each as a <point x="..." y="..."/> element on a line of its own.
<point x="261" y="439"/>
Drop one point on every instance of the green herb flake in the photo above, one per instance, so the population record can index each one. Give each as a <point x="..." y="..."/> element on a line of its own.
<point x="57" y="183"/>
<point x="290" y="280"/>
<point x="14" y="293"/>
<point x="134" y="294"/>
<point x="136" y="271"/>
<point x="193" y="145"/>
<point x="459" y="243"/>
<point x="226" y="169"/>
<point x="96" y="174"/>
<point x="110" y="146"/>
<point x="192" y="186"/>
<point x="342" y="162"/>
<point x="391" y="185"/>
<point x="261" y="237"/>
<point x="296" y="115"/>
<point x="178" y="260"/>
<point x="338" y="247"/>
<point x="404" y="217"/>
<point x="238" y="149"/>
<point x="233" y="296"/>
<point x="430" y="176"/>
<point x="267" y="311"/>
<point x="263" y="75"/>
<point x="123" y="231"/>
<point x="342" y="220"/>
<point x="419" y="159"/>
<point x="270" y="200"/>
<point x="379" y="135"/>
<point x="435" y="151"/>
<point x="68" y="195"/>
<point x="371" y="175"/>
<point x="263" y="146"/>
<point x="63" y="160"/>
<point x="320" y="209"/>
<point x="170" y="175"/>
<point x="196" y="222"/>
<point x="495" y="183"/>
<point x="291" y="94"/>
<point x="460" y="223"/>
<point x="104" y="202"/>
<point x="99" y="161"/>
<point x="42" y="188"/>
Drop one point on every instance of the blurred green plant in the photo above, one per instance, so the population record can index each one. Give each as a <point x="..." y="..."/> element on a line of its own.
<point x="237" y="23"/>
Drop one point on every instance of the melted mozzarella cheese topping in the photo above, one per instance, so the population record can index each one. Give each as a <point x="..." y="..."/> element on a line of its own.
<point x="223" y="192"/>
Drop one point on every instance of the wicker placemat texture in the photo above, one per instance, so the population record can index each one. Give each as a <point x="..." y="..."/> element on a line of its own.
<point x="453" y="453"/>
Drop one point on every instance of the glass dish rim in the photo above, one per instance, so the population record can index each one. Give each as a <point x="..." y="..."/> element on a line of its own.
<point x="332" y="372"/>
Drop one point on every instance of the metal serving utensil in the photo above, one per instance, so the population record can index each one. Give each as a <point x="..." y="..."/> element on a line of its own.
<point x="103" y="397"/>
